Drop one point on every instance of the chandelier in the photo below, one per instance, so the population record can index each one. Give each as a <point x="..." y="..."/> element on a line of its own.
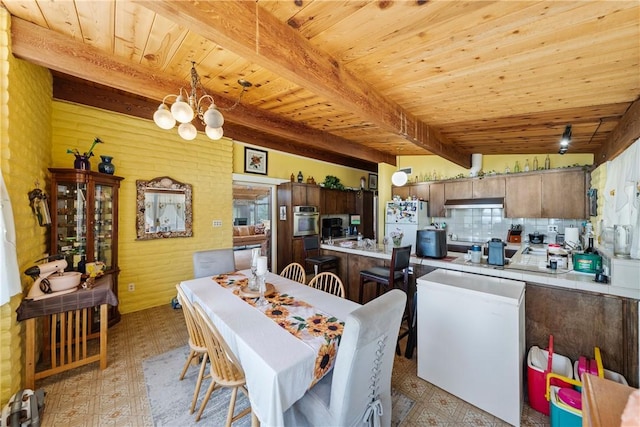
<point x="189" y="105"/>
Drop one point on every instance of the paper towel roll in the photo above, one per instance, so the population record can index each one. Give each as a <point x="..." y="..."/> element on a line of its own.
<point x="571" y="235"/>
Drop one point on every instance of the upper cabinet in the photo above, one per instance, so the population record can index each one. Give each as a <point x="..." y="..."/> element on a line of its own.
<point x="334" y="201"/>
<point x="564" y="195"/>
<point x="436" y="199"/>
<point x="556" y="193"/>
<point x="493" y="186"/>
<point x="457" y="190"/>
<point x="550" y="194"/>
<point x="523" y="197"/>
<point x="304" y="194"/>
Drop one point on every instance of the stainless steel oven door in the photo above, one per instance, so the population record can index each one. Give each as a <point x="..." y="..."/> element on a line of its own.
<point x="305" y="224"/>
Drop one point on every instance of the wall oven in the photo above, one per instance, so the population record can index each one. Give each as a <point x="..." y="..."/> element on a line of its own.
<point x="305" y="220"/>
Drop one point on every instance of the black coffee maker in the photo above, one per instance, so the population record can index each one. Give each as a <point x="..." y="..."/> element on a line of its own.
<point x="331" y="227"/>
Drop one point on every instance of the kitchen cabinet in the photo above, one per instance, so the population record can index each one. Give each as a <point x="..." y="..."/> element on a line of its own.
<point x="418" y="190"/>
<point x="523" y="197"/>
<point x="364" y="208"/>
<point x="458" y="190"/>
<point x="290" y="194"/>
<point x="84" y="222"/>
<point x="488" y="187"/>
<point x="304" y="194"/>
<point x="564" y="195"/>
<point x="339" y="202"/>
<point x="549" y="194"/>
<point x="436" y="199"/>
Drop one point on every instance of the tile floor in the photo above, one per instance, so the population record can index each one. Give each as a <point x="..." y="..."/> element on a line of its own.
<point x="117" y="396"/>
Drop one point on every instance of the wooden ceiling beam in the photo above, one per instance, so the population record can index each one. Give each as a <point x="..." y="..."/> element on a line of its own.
<point x="624" y="134"/>
<point x="65" y="55"/>
<point x="246" y="29"/>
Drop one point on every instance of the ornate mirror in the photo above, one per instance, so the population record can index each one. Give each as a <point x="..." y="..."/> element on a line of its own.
<point x="163" y="209"/>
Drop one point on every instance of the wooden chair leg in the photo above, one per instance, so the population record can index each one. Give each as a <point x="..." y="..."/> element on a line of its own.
<point x="232" y="406"/>
<point x="196" y="392"/>
<point x="190" y="357"/>
<point x="212" y="386"/>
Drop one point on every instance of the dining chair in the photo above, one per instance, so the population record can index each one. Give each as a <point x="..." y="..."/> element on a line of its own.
<point x="212" y="262"/>
<point x="328" y="282"/>
<point x="312" y="255"/>
<point x="197" y="346"/>
<point x="225" y="369"/>
<point x="359" y="389"/>
<point x="396" y="275"/>
<point x="294" y="271"/>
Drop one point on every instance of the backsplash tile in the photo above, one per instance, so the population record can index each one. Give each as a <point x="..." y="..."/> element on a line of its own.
<point x="483" y="224"/>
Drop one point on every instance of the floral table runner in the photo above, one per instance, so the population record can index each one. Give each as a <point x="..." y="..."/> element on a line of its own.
<point x="319" y="330"/>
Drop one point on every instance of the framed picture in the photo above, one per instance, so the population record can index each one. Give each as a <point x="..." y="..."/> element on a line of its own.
<point x="373" y="181"/>
<point x="283" y="213"/>
<point x="255" y="161"/>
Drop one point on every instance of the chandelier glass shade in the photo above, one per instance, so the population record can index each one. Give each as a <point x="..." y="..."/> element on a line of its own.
<point x="190" y="105"/>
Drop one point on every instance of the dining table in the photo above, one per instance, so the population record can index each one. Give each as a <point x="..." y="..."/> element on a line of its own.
<point x="279" y="363"/>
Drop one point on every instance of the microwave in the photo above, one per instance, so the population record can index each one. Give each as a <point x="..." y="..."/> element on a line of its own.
<point x="305" y="221"/>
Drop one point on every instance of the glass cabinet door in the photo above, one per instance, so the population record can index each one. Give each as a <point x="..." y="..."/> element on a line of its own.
<point x="103" y="225"/>
<point x="71" y="223"/>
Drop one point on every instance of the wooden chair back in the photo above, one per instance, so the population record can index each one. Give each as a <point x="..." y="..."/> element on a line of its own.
<point x="328" y="282"/>
<point x="294" y="271"/>
<point x="225" y="368"/>
<point x="196" y="337"/>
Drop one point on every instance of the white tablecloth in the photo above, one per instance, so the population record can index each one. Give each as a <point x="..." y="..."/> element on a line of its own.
<point x="278" y="366"/>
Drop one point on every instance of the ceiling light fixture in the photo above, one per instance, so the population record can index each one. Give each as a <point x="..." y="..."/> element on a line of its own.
<point x="189" y="105"/>
<point x="399" y="178"/>
<point x="566" y="139"/>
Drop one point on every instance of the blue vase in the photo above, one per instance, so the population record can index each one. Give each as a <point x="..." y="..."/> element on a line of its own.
<point x="81" y="162"/>
<point x="105" y="166"/>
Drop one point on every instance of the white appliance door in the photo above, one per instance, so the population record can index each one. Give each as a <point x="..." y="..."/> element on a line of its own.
<point x="408" y="230"/>
<point x="402" y="212"/>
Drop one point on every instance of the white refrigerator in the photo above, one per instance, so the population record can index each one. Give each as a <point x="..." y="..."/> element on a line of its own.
<point x="406" y="216"/>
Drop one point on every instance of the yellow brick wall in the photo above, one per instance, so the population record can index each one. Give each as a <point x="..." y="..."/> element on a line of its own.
<point x="142" y="151"/>
<point x="25" y="134"/>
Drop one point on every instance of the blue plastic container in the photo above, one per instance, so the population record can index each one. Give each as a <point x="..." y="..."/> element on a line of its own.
<point x="563" y="415"/>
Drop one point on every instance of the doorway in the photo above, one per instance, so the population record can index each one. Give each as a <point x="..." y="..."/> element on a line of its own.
<point x="252" y="221"/>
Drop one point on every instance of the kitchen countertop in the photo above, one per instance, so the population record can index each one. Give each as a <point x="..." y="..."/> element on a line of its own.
<point x="521" y="267"/>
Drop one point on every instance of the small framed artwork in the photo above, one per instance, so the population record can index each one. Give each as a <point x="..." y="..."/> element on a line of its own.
<point x="373" y="181"/>
<point x="283" y="213"/>
<point x="255" y="161"/>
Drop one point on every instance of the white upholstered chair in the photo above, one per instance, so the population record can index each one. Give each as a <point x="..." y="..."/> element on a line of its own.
<point x="212" y="262"/>
<point x="294" y="271"/>
<point x="359" y="388"/>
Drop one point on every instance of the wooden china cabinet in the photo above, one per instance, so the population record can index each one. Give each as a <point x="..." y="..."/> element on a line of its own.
<point x="84" y="223"/>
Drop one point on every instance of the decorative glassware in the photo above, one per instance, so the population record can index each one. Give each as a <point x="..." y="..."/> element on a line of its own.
<point x="253" y="280"/>
<point x="261" y="271"/>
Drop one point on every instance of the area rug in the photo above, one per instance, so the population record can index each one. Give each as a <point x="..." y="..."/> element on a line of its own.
<point x="170" y="398"/>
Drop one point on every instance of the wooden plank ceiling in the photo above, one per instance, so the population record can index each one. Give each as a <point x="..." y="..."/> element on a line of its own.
<point x="359" y="82"/>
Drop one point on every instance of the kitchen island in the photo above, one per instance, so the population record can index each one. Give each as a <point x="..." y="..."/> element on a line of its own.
<point x="580" y="313"/>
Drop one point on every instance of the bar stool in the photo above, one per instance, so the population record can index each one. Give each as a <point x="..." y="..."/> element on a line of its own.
<point x="389" y="277"/>
<point x="312" y="256"/>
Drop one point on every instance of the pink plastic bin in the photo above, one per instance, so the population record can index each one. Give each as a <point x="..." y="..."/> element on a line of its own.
<point x="537" y="378"/>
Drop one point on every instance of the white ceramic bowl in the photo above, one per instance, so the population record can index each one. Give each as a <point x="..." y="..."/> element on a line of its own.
<point x="68" y="280"/>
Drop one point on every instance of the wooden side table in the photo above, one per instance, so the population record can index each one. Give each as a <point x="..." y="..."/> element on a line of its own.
<point x="69" y="320"/>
